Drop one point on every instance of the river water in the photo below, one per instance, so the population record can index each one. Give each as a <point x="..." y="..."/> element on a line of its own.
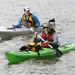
<point x="64" y="13"/>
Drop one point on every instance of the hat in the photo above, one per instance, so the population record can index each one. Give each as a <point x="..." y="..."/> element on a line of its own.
<point x="49" y="25"/>
<point x="26" y="9"/>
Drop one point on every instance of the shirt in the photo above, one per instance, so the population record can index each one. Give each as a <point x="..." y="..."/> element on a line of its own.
<point x="54" y="37"/>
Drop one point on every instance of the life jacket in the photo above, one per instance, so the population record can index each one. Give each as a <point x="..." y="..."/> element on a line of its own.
<point x="48" y="37"/>
<point x="31" y="47"/>
<point x="29" y="20"/>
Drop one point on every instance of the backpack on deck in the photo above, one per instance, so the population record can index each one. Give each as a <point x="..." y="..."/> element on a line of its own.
<point x="31" y="47"/>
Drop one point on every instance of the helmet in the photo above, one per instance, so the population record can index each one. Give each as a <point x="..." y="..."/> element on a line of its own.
<point x="50" y="25"/>
<point x="26" y="9"/>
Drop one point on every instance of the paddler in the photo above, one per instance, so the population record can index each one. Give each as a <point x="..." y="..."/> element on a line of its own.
<point x="49" y="35"/>
<point x="31" y="19"/>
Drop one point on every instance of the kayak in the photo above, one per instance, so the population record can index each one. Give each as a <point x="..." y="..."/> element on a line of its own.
<point x="45" y="52"/>
<point x="9" y="32"/>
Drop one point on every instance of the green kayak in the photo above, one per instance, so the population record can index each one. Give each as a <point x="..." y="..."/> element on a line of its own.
<point x="46" y="52"/>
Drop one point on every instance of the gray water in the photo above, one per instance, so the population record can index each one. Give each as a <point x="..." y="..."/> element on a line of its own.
<point x="64" y="13"/>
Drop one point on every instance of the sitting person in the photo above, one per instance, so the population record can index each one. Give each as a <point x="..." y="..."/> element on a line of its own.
<point x="31" y="19"/>
<point x="49" y="35"/>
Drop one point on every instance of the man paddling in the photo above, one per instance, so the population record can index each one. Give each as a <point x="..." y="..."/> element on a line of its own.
<point x="48" y="38"/>
<point x="49" y="35"/>
<point x="31" y="19"/>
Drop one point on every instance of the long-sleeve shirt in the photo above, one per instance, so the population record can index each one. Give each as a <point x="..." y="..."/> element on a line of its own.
<point x="35" y="19"/>
<point x="54" y="37"/>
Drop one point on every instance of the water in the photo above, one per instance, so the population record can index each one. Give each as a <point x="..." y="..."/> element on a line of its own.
<point x="64" y="14"/>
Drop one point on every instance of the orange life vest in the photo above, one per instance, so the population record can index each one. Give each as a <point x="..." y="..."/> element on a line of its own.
<point x="29" y="20"/>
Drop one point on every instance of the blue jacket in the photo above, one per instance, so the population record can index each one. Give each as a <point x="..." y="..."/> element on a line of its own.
<point x="33" y="17"/>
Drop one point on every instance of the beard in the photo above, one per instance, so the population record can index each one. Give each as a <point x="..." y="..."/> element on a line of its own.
<point x="47" y="32"/>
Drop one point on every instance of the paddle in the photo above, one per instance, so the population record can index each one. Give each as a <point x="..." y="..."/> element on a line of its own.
<point x="56" y="51"/>
<point x="52" y="20"/>
<point x="22" y="28"/>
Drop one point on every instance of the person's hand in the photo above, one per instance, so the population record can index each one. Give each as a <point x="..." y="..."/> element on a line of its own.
<point x="46" y="42"/>
<point x="35" y="26"/>
<point x="35" y="35"/>
<point x="23" y="26"/>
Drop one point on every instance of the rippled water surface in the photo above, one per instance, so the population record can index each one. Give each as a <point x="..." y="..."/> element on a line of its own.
<point x="64" y="13"/>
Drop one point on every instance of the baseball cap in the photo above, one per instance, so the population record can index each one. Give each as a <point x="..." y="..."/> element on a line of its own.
<point x="26" y="9"/>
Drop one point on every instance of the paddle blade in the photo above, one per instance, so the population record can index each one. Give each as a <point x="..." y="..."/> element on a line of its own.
<point x="52" y="20"/>
<point x="25" y="24"/>
<point x="57" y="52"/>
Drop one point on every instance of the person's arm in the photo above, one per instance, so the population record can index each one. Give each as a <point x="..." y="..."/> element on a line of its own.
<point x="19" y="23"/>
<point x="55" y="38"/>
<point x="55" y="42"/>
<point x="37" y="23"/>
<point x="36" y="39"/>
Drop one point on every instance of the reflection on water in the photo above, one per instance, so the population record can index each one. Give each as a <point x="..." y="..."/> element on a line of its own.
<point x="44" y="61"/>
<point x="35" y="66"/>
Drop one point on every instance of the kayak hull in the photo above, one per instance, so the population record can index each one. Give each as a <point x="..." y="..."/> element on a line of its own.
<point x="46" y="52"/>
<point x="4" y="33"/>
